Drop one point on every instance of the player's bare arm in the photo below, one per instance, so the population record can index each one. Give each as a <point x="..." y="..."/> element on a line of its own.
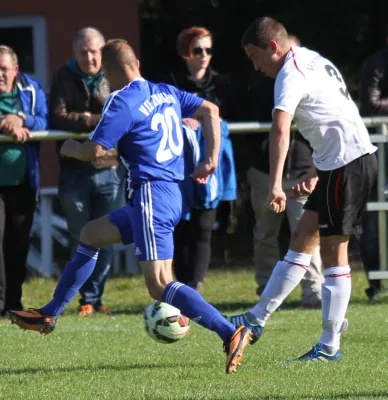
<point x="279" y="142"/>
<point x="209" y="115"/>
<point x="86" y="151"/>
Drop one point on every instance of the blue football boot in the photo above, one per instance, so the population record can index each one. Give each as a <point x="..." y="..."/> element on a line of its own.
<point x="317" y="353"/>
<point x="241" y="320"/>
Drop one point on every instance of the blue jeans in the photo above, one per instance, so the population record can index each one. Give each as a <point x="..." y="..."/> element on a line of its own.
<point x="87" y="194"/>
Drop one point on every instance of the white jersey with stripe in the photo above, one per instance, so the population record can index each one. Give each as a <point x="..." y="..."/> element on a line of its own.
<point x="311" y="89"/>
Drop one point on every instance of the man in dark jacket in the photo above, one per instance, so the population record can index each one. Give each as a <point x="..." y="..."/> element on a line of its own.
<point x="23" y="109"/>
<point x="374" y="102"/>
<point x="87" y="190"/>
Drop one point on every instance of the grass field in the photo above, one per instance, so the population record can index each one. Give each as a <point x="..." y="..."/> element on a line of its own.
<point x="102" y="357"/>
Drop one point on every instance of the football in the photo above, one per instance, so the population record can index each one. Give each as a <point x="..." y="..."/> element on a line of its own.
<point x="165" y="323"/>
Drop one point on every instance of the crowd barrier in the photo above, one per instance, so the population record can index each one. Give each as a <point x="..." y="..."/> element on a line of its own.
<point x="46" y="266"/>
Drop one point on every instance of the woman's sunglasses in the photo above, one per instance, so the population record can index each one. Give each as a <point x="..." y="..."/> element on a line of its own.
<point x="198" y="51"/>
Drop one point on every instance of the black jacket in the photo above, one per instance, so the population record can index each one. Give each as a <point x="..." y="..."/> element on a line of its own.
<point x="68" y="101"/>
<point x="216" y="88"/>
<point x="259" y="102"/>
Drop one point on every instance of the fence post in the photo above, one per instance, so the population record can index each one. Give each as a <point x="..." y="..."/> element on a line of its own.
<point x="46" y="239"/>
<point x="382" y="221"/>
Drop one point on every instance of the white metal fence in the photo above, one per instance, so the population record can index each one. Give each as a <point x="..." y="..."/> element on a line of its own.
<point x="49" y="225"/>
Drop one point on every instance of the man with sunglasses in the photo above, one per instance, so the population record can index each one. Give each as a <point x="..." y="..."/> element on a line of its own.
<point x="22" y="109"/>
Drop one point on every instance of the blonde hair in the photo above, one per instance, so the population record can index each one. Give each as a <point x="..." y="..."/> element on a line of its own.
<point x="9" y="50"/>
<point x="117" y="53"/>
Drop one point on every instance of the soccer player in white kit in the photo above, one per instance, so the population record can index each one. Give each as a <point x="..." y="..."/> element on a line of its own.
<point x="310" y="90"/>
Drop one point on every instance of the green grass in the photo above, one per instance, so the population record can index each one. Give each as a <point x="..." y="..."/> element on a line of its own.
<point x="101" y="357"/>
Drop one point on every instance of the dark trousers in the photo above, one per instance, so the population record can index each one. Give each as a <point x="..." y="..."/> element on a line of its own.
<point x="17" y="206"/>
<point x="369" y="244"/>
<point x="192" y="247"/>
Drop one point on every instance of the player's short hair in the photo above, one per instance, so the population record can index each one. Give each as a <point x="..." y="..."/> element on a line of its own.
<point x="262" y="31"/>
<point x="117" y="53"/>
<point x="9" y="50"/>
<point x="86" y="31"/>
<point x="186" y="39"/>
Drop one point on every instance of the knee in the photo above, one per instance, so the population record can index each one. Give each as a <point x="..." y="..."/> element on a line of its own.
<point x="156" y="290"/>
<point x="88" y="235"/>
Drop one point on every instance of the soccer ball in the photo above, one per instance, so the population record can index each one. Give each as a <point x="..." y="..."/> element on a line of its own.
<point x="165" y="323"/>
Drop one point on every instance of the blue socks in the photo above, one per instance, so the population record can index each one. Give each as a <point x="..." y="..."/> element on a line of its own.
<point x="75" y="274"/>
<point x="193" y="306"/>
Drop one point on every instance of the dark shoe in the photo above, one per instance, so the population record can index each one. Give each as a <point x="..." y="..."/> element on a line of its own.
<point x="372" y="294"/>
<point x="235" y="348"/>
<point x="32" y="320"/>
<point x="102" y="310"/>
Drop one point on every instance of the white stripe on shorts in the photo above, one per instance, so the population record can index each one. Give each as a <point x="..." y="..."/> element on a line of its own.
<point x="148" y="228"/>
<point x="144" y="203"/>
<point x="151" y="222"/>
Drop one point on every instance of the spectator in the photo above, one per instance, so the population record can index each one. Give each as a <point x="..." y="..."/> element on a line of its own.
<point x="269" y="230"/>
<point x="192" y="258"/>
<point x="23" y="109"/>
<point x="199" y="199"/>
<point x="373" y="102"/>
<point x="87" y="190"/>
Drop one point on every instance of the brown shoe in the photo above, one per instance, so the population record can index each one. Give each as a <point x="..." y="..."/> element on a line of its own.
<point x="103" y="310"/>
<point x="85" y="310"/>
<point x="235" y="348"/>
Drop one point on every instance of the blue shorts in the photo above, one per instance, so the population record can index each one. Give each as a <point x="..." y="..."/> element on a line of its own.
<point x="149" y="218"/>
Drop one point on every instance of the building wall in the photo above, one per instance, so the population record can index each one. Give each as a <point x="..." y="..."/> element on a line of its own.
<point x="115" y="19"/>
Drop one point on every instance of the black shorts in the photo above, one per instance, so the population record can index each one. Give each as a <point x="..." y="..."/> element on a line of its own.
<point x="341" y="195"/>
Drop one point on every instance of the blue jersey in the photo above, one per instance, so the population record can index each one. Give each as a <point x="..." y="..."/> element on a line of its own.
<point x="144" y="121"/>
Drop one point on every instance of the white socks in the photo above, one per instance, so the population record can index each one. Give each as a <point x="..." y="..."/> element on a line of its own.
<point x="335" y="299"/>
<point x="284" y="278"/>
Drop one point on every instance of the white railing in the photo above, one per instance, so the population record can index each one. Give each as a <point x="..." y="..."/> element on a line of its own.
<point x="47" y="267"/>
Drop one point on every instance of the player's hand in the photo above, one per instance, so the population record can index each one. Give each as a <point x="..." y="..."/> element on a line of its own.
<point x="276" y="200"/>
<point x="305" y="186"/>
<point x="20" y="134"/>
<point x="202" y="171"/>
<point x="191" y="123"/>
<point x="69" y="147"/>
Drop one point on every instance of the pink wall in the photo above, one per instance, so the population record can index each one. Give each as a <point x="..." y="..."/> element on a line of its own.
<point x="64" y="18"/>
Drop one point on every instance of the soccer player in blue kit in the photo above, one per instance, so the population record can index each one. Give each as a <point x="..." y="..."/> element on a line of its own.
<point x="144" y="121"/>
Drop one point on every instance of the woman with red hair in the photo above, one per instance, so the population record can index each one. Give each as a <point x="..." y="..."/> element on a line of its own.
<point x="193" y="237"/>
